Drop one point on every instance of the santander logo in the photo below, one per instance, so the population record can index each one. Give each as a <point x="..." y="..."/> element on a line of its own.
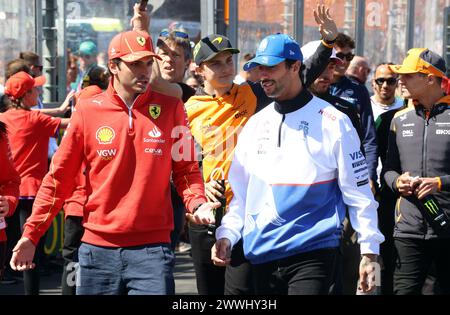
<point x="155" y="132"/>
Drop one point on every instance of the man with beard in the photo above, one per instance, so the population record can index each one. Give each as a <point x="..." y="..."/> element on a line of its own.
<point x="295" y="167"/>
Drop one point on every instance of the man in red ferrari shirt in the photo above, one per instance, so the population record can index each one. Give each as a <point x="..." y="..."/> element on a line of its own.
<point x="131" y="139"/>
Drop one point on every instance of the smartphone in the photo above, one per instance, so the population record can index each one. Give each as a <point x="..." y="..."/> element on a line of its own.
<point x="143" y="5"/>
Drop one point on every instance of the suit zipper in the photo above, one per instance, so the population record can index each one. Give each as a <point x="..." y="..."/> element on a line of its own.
<point x="424" y="148"/>
<point x="279" y="130"/>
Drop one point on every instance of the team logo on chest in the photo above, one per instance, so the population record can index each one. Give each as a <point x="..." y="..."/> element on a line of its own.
<point x="154" y="111"/>
<point x="105" y="135"/>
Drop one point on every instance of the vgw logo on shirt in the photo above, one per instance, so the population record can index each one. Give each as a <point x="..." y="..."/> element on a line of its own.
<point x="107" y="155"/>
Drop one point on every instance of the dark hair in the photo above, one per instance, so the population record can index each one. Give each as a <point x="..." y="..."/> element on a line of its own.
<point x="15" y="66"/>
<point x="290" y="63"/>
<point x="343" y="40"/>
<point x="30" y="57"/>
<point x="184" y="43"/>
<point x="248" y="57"/>
<point x="2" y="128"/>
<point x="97" y="76"/>
<point x="117" y="62"/>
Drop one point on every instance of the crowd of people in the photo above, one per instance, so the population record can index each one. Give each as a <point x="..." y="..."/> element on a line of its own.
<point x="286" y="178"/>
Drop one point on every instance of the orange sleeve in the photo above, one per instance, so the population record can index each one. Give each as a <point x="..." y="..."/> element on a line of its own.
<point x="186" y="173"/>
<point x="59" y="182"/>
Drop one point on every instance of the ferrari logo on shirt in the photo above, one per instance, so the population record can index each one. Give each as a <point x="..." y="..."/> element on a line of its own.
<point x="154" y="111"/>
<point x="140" y="40"/>
<point x="105" y="135"/>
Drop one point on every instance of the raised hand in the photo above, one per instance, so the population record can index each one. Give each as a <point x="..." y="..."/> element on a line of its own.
<point x="327" y="26"/>
<point x="140" y="20"/>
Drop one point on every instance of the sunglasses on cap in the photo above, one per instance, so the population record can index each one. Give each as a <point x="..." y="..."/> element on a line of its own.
<point x="389" y="81"/>
<point x="343" y="56"/>
<point x="180" y="34"/>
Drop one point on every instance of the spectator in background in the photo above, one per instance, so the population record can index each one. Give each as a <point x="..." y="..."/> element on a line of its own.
<point x="356" y="93"/>
<point x="384" y="106"/>
<point x="28" y="132"/>
<point x="193" y="82"/>
<point x="359" y="69"/>
<point x="33" y="61"/>
<point x="250" y="75"/>
<point x="384" y="84"/>
<point x="71" y="71"/>
<point x="9" y="192"/>
<point x="87" y="58"/>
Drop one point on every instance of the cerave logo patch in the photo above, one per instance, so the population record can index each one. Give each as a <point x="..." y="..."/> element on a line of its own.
<point x="105" y="135"/>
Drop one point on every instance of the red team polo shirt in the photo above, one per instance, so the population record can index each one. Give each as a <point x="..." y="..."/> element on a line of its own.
<point x="28" y="133"/>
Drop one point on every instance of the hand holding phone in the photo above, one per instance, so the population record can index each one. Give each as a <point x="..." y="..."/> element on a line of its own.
<point x="143" y="5"/>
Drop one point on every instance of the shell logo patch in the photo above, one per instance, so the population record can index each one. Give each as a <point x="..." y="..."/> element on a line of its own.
<point x="140" y="40"/>
<point x="105" y="135"/>
<point x="154" y="111"/>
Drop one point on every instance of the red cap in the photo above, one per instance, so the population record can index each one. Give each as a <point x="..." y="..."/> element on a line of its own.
<point x="131" y="46"/>
<point x="20" y="83"/>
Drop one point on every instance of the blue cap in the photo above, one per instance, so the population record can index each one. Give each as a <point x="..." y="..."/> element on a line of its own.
<point x="274" y="49"/>
<point x="88" y="48"/>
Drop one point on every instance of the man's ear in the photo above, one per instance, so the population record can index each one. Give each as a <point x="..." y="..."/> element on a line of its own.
<point x="297" y="66"/>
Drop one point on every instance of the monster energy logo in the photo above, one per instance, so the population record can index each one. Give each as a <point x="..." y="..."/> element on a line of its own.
<point x="431" y="206"/>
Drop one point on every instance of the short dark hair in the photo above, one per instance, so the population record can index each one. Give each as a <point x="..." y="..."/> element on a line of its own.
<point x="97" y="76"/>
<point x="290" y="62"/>
<point x="31" y="58"/>
<point x="116" y="61"/>
<point x="15" y="66"/>
<point x="343" y="40"/>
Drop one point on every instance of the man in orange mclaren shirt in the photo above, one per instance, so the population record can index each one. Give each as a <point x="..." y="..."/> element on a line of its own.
<point x="131" y="139"/>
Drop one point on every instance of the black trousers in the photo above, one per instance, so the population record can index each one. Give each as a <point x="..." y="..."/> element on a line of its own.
<point x="386" y="223"/>
<point x="414" y="259"/>
<point x="2" y="258"/>
<point x="73" y="232"/>
<point x="235" y="279"/>
<point x="31" y="278"/>
<point x="179" y="212"/>
<point x="309" y="273"/>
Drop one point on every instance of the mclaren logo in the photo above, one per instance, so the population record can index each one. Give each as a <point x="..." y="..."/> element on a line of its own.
<point x="218" y="40"/>
<point x="154" y="111"/>
<point x="140" y="40"/>
<point x="431" y="207"/>
<point x="196" y="49"/>
<point x="105" y="135"/>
